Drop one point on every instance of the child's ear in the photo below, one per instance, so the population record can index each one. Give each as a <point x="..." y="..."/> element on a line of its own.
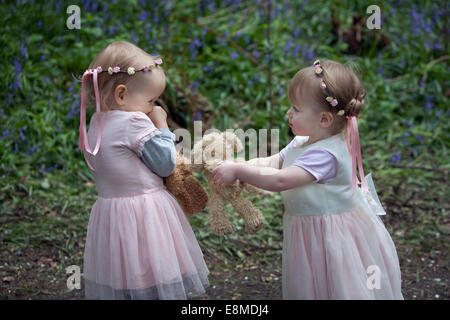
<point x="119" y="94"/>
<point x="326" y="119"/>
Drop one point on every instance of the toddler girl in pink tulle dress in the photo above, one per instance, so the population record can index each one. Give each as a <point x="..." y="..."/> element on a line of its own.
<point x="335" y="245"/>
<point x="139" y="244"/>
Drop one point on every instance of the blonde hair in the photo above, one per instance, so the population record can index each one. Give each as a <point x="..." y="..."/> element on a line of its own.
<point x="341" y="83"/>
<point x="121" y="54"/>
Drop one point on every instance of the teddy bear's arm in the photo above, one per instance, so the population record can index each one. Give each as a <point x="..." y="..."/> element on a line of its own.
<point x="274" y="161"/>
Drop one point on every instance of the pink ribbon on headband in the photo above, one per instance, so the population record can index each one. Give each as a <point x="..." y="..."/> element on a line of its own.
<point x="83" y="143"/>
<point x="355" y="153"/>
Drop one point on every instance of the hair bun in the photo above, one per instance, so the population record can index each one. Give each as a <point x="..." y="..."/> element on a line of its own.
<point x="355" y="106"/>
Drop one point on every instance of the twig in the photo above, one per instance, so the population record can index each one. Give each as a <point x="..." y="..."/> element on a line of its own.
<point x="428" y="66"/>
<point x="443" y="171"/>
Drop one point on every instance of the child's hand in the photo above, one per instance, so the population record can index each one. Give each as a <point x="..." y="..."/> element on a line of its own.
<point x="225" y="174"/>
<point x="159" y="117"/>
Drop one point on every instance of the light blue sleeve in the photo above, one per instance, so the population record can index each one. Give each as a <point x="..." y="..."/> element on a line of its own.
<point x="159" y="154"/>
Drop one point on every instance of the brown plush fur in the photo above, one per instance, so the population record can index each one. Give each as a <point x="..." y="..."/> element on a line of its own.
<point x="219" y="196"/>
<point x="182" y="184"/>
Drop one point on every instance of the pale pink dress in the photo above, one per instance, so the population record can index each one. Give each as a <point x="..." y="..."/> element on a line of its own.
<point x="335" y="245"/>
<point x="139" y="244"/>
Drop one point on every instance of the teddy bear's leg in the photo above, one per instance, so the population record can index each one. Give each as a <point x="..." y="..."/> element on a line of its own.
<point x="254" y="220"/>
<point x="220" y="224"/>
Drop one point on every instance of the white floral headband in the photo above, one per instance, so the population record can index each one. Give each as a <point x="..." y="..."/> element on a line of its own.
<point x="83" y="142"/>
<point x="331" y="100"/>
<point x="131" y="70"/>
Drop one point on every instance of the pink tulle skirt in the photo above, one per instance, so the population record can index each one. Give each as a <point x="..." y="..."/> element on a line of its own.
<point x="341" y="256"/>
<point x="142" y="247"/>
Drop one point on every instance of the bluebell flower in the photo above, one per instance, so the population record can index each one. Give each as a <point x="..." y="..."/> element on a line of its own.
<point x="419" y="138"/>
<point x="309" y="54"/>
<point x="234" y="55"/>
<point x="43" y="57"/>
<point x="17" y="66"/>
<point x="31" y="151"/>
<point x="42" y="169"/>
<point x="16" y="148"/>
<point x="39" y="24"/>
<point x="212" y="7"/>
<point x="144" y="16"/>
<point x="193" y="86"/>
<point x="288" y="45"/>
<point x="296" y="32"/>
<point x="296" y="50"/>
<point x="256" y="54"/>
<point x="70" y="114"/>
<point x="380" y="70"/>
<point x="17" y="84"/>
<point x="195" y="44"/>
<point x="22" y="136"/>
<point x="198" y="115"/>
<point x="415" y="20"/>
<point x="428" y="103"/>
<point x="133" y="38"/>
<point x="5" y="133"/>
<point x="396" y="158"/>
<point x="112" y="29"/>
<point x="58" y="5"/>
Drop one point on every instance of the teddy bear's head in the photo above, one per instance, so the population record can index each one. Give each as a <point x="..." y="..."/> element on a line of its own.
<point x="214" y="148"/>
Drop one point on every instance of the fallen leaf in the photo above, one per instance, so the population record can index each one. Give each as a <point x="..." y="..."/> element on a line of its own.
<point x="8" y="279"/>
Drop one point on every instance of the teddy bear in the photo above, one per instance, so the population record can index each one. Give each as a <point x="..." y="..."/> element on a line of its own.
<point x="207" y="154"/>
<point x="182" y="184"/>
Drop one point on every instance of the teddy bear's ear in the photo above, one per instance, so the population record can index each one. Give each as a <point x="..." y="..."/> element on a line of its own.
<point x="210" y="138"/>
<point x="233" y="141"/>
<point x="197" y="156"/>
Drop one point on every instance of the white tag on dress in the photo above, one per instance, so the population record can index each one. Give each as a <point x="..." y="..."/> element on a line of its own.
<point x="371" y="197"/>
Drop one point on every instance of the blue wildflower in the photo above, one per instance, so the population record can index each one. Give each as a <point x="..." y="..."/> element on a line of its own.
<point x="396" y="158"/>
<point x="23" y="50"/>
<point x="31" y="151"/>
<point x="234" y="55"/>
<point x="309" y="54"/>
<point x="198" y="115"/>
<point x="17" y="65"/>
<point x="428" y="103"/>
<point x="380" y="70"/>
<point x="22" y="136"/>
